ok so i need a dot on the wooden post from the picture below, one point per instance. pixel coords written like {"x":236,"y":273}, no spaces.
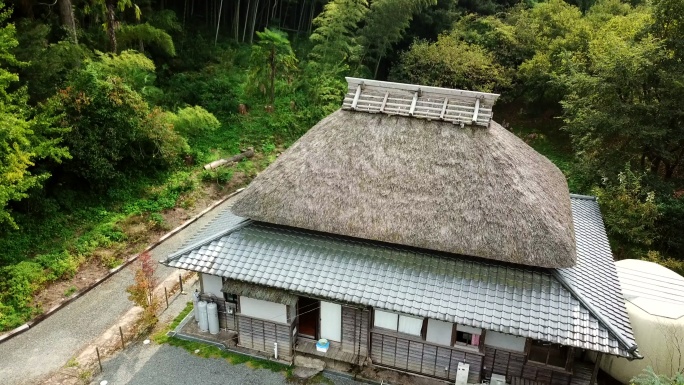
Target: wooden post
{"x":166,"y":295}
{"x":97,"y":350}
{"x":180,"y":279}
{"x":599,"y":356}
{"x":123,"y":345}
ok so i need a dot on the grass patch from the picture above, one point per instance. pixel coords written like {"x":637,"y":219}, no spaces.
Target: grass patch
{"x":321,"y":379}
{"x":161,"y":337}
{"x":210,"y":351}
{"x":71,"y":290}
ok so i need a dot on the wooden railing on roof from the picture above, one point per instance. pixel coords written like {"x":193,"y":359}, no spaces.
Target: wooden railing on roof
{"x":434,"y":103}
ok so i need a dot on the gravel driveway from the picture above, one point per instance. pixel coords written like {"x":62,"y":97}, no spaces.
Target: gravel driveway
{"x":49,"y":345}
{"x":165,"y":365}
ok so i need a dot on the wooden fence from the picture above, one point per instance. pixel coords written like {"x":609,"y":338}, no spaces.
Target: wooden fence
{"x":513,"y":364}
{"x":260,"y":335}
{"x":412,"y":354}
{"x":355,"y":330}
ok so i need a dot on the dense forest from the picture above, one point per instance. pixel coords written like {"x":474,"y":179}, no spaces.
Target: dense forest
{"x":109,"y":108}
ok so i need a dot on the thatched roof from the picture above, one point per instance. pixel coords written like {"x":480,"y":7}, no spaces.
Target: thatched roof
{"x":477,"y":191}
{"x":261,"y":292}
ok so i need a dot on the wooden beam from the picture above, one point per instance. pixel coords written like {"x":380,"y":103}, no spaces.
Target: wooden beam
{"x":594,"y":374}
{"x":477,"y":110}
{"x":444,"y":107}
{"x":413,"y":103}
{"x":384,"y":102}
{"x":356,"y":97}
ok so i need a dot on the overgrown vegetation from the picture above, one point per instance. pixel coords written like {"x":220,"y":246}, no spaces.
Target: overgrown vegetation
{"x":649,"y":377}
{"x":104,"y":130}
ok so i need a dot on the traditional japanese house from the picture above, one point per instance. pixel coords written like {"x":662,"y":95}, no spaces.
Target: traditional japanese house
{"x":415,"y":233}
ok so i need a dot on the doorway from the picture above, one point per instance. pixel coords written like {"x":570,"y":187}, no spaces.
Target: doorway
{"x":308,"y":312}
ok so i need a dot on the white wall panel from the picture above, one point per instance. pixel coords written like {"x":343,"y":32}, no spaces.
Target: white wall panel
{"x":505,"y":341}
{"x":439,"y":332}
{"x":410,"y":325}
{"x":212,"y":284}
{"x":385,"y":320}
{"x":265,"y":310}
{"x":331,"y":321}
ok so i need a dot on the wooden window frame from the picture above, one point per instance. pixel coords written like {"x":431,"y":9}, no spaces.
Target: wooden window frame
{"x":569,"y":359}
{"x":454,"y":333}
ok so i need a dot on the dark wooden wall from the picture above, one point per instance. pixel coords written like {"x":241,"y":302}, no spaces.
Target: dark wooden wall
{"x":261,"y":335}
{"x":355,"y":323}
{"x":415,"y":355}
{"x":512,"y":364}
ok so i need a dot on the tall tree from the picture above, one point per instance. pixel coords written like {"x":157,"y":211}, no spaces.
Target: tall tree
{"x":385,"y":25}
{"x":66,"y":15}
{"x":23,"y":140}
{"x":335,"y":37}
{"x":626,"y":106}
{"x":272,"y":52}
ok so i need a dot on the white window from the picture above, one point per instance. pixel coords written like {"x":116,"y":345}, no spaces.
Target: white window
{"x":505,"y":341}
{"x":410,"y":325}
{"x":386,"y":320}
{"x":439,"y":332}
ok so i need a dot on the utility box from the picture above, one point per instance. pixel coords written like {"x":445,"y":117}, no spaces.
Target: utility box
{"x":462,"y":372}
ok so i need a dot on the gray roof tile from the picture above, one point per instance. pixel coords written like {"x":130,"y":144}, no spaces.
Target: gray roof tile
{"x":515,"y":299}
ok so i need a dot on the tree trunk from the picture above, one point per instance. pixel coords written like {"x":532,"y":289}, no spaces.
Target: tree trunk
{"x":273,"y":70}
{"x":244,"y":30}
{"x":377,"y":67}
{"x":237,"y":22}
{"x":66,"y":16}
{"x":218,"y":22}
{"x":254,"y":18}
{"x":111,"y":6}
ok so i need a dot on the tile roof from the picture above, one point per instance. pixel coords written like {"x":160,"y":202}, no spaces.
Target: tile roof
{"x":514,"y":299}
{"x":595,"y":275}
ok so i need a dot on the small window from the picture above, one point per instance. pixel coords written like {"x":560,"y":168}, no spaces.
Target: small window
{"x":548,"y":353}
{"x":230,"y":297}
{"x":467,"y":336}
{"x":464,"y":338}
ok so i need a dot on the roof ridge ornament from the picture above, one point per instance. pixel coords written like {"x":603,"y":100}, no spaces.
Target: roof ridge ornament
{"x":433,"y":103}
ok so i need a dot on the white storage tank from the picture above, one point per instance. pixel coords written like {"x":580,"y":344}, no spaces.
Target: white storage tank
{"x":655,"y":304}
{"x":212,"y":315}
{"x":203,"y":318}
{"x":195,"y":300}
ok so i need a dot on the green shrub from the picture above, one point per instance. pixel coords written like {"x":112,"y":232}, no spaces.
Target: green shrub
{"x":113,"y":130}
{"x":59,"y":265}
{"x":220,"y":175}
{"x":192,"y":121}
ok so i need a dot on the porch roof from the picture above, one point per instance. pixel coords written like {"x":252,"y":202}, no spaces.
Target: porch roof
{"x":580,"y":306}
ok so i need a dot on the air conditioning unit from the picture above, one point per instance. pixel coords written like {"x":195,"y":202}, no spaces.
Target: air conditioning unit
{"x":497,"y":379}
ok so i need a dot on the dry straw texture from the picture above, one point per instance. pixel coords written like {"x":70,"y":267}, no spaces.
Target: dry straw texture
{"x":472,"y":191}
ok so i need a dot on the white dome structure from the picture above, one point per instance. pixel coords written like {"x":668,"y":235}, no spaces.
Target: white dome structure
{"x":654,"y":297}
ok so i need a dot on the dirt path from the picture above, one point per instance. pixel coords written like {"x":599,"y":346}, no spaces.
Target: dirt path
{"x":49,"y":345}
